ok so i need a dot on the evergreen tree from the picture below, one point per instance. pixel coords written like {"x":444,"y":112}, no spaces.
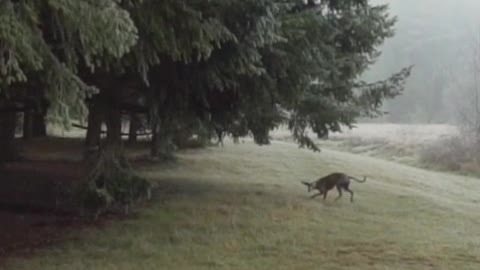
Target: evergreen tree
{"x":42,"y":42}
{"x":250,"y":62}
{"x":265,"y":63}
{"x":237,"y":66}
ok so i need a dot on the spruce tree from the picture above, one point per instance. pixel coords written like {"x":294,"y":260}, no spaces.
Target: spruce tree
{"x":262,"y":64}
{"x":236,"y":66}
{"x":42,"y":42}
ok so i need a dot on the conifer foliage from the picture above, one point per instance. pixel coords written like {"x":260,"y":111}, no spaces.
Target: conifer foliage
{"x":238,"y":67}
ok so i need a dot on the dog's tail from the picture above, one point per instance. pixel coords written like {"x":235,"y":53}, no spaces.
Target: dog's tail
{"x":358,"y":180}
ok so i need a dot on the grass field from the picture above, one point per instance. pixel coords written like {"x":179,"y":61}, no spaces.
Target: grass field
{"x":403,"y":143}
{"x":243,"y":207}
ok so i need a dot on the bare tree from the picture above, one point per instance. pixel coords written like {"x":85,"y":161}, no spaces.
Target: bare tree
{"x":468,"y":104}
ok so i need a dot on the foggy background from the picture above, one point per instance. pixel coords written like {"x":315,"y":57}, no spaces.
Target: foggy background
{"x":441,"y":39}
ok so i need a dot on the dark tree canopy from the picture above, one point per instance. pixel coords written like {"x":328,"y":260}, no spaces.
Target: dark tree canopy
{"x":250,"y":61}
{"x":46,"y":39}
{"x":242,"y":67}
{"x":264,"y":63}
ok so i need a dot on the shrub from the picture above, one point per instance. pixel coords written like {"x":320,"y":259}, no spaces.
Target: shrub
{"x":112,"y":185}
{"x":450,"y":153}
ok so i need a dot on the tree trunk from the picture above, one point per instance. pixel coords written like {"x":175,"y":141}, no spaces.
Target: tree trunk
{"x":36,"y":125}
{"x":161,"y":146}
{"x":111,"y":168}
{"x":39,"y":125}
{"x":154,"y":145}
{"x":113,"y":156}
{"x":110,"y":159}
{"x":8,"y":122}
{"x":94,"y":126}
{"x":134,"y":127}
{"x":113,"y":120}
{"x":27,"y":125}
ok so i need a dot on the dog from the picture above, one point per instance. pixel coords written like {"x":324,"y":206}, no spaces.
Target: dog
{"x":339,"y":180}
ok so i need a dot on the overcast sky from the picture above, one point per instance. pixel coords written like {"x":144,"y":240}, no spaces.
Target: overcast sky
{"x":446,"y":26}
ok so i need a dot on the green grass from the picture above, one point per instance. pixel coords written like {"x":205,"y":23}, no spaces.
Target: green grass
{"x":242,"y":207}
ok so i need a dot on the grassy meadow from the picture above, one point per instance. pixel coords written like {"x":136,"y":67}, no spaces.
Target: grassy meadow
{"x":243,"y":207}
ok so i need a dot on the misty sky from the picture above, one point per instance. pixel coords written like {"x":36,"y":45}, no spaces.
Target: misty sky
{"x":437,"y":37}
{"x":430,"y":34}
{"x":430,"y":11}
{"x":446,"y":25}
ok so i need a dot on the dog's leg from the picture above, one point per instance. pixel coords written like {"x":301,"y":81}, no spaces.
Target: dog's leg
{"x":315,"y":195}
{"x":325,"y":195}
{"x":349,"y":191}
{"x":339,"y":193}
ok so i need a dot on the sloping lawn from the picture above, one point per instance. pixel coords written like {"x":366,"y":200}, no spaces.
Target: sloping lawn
{"x":243,"y":207}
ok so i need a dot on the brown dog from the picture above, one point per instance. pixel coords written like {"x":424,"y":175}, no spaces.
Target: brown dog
{"x":326,"y":183}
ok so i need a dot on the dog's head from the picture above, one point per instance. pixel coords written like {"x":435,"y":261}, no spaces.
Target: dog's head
{"x":309,"y":185}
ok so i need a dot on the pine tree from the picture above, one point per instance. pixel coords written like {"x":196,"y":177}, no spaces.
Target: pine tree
{"x":236,"y":66}
{"x":275,"y":62}
{"x":43,"y":41}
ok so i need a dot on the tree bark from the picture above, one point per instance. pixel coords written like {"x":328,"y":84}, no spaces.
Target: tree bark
{"x":27,"y":125}
{"x":134,"y":127}
{"x":113,"y":120}
{"x":111,"y":166}
{"x":94,"y":126}
{"x":161,"y":145}
{"x":154,"y":145}
{"x":110,"y":158}
{"x":36,"y":118}
{"x":39,"y":125}
{"x":8,"y":122}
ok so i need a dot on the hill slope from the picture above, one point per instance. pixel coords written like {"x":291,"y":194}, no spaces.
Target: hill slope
{"x":242,"y":207}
